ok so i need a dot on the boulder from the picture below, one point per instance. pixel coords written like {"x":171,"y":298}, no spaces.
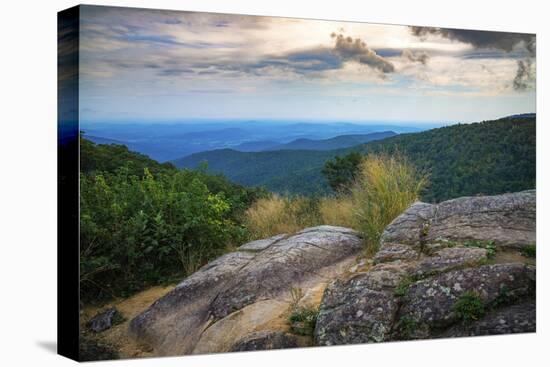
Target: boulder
{"x":352,"y":313}
{"x":429,"y":303}
{"x":104,"y":320}
{"x":507,"y":219}
{"x":362,"y":308}
{"x":266,"y":340}
{"x":435,"y":276}
{"x":411,"y":226}
{"x":518,"y":318}
{"x":244,"y":291}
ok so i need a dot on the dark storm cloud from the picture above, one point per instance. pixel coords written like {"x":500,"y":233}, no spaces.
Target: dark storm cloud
{"x":503,"y":41}
{"x":482,"y":39}
{"x":350,"y":49}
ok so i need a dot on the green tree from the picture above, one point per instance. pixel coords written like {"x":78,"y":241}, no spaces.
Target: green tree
{"x":341,"y":171}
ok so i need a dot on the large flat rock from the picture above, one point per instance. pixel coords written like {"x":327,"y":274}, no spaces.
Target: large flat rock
{"x":236,"y":294}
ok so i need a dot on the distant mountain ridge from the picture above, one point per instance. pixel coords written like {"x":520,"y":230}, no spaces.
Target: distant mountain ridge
{"x":166,"y":142}
{"x":338,"y":142}
{"x":256,"y":146}
{"x":488,"y":157}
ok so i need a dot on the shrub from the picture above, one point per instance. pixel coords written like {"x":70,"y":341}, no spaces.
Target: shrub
{"x":489,"y":246}
{"x":385,"y":187}
{"x":141,"y":230}
{"x":403,"y":287}
{"x":529,"y":251}
{"x":302,"y":320}
{"x":275,"y":215}
{"x":407,"y":327}
{"x":469,"y":307}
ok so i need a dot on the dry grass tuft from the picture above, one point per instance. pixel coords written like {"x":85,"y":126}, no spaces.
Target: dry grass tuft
{"x":275,"y":215}
{"x":387,"y":185}
{"x":338,"y":211}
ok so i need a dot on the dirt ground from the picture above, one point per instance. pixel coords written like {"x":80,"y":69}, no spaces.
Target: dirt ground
{"x":117,"y":336}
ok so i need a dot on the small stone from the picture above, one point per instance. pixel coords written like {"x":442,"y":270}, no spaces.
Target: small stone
{"x":103,"y":320}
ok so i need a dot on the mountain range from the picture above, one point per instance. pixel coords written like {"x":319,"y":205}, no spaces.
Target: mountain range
{"x":463,"y":159}
{"x":165,"y":142}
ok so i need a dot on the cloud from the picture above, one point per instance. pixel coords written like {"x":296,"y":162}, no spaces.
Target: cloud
{"x":481,"y":39}
{"x":421,"y":56}
{"x":317,"y":59}
{"x":175,"y":72}
{"x":504,"y":41}
{"x":349,"y":49}
{"x":525,"y":77}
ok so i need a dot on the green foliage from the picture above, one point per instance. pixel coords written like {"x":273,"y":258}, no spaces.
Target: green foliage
{"x":490,"y":157}
{"x":469,"y":307}
{"x":403,"y":287}
{"x":111,"y":157}
{"x":386,"y":186}
{"x":505,"y":297}
{"x":139,"y":230}
{"x":118,"y":318}
{"x":295,"y":172}
{"x":489,"y":246}
{"x":406,"y":327}
{"x":529,"y":251}
{"x":340,"y":172}
{"x":302,"y":320}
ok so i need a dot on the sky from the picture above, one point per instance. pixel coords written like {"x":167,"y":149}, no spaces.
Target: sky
{"x":152,"y":65}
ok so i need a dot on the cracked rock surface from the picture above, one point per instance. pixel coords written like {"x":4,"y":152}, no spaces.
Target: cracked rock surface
{"x":507,"y":219}
{"x":432,"y":259}
{"x":241,"y":292}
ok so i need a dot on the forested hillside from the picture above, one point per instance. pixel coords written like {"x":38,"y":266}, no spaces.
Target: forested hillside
{"x":489,"y":157}
{"x":283,"y":171}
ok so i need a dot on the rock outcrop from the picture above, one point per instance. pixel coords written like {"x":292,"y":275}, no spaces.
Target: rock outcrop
{"x":507,"y":220}
{"x":442,"y":270}
{"x":223,"y":305}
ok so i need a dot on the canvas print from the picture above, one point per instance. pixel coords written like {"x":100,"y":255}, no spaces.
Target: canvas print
{"x":240,"y":183}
